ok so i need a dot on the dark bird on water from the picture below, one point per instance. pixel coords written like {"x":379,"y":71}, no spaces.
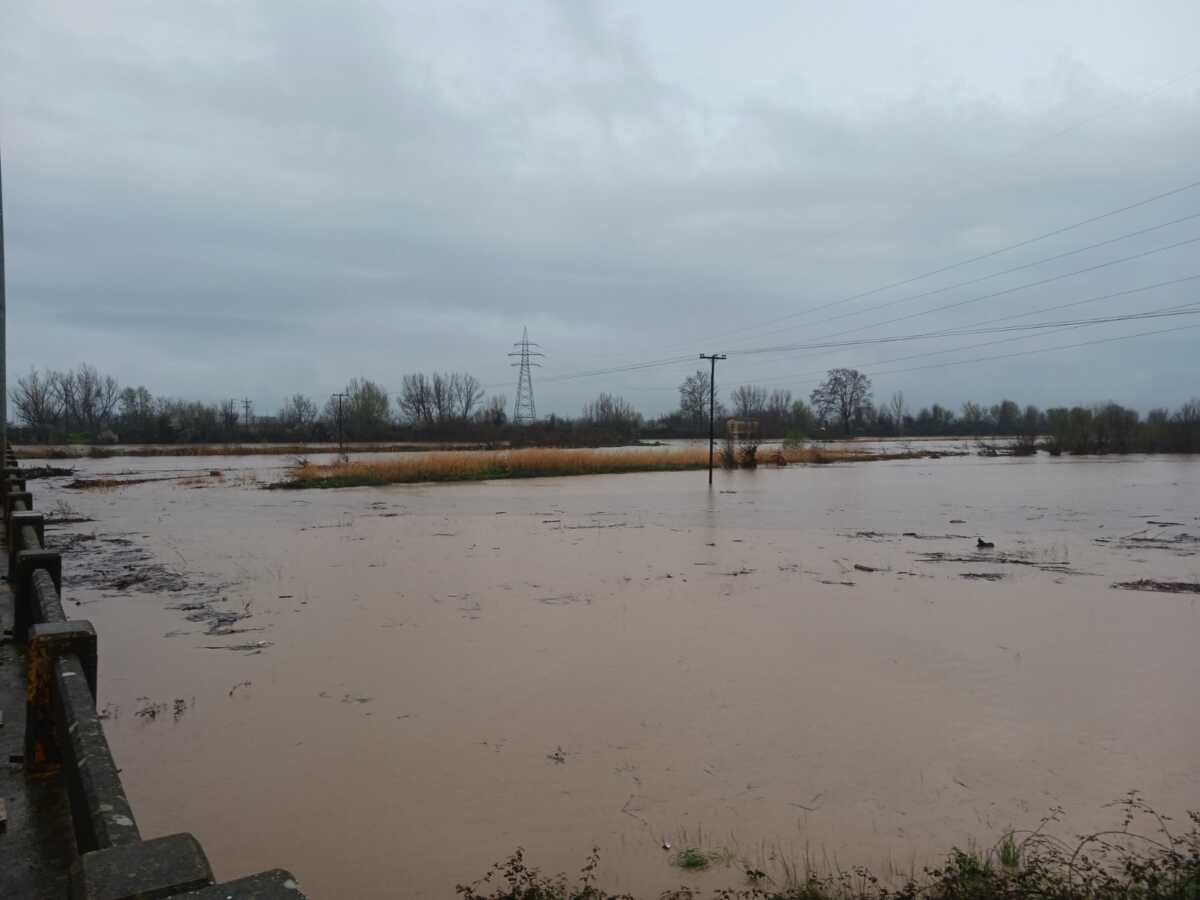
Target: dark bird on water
{"x":984,"y":545}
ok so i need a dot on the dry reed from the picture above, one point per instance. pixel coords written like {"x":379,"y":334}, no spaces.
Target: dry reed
{"x":544,"y":462}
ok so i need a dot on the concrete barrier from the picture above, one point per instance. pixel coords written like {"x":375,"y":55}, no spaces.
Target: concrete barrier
{"x":64,"y":737}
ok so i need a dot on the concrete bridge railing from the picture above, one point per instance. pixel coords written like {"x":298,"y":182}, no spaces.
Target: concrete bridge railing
{"x":64,"y":737}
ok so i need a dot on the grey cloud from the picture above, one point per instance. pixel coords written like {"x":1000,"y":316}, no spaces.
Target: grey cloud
{"x":267,"y":198}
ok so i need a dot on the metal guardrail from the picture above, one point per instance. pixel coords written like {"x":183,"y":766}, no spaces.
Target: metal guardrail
{"x":65,"y":736}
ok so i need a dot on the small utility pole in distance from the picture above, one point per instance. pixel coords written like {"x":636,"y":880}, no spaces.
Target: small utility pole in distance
{"x":339,"y":398}
{"x":246,"y":404}
{"x":712,"y":403}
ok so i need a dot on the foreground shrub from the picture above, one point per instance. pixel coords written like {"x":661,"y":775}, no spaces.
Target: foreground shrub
{"x":1118,"y":864}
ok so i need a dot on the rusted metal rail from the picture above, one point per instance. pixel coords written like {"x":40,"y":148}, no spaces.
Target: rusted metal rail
{"x":64,"y":737}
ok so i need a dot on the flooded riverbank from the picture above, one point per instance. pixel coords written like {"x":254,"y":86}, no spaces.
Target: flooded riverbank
{"x":388,"y":689}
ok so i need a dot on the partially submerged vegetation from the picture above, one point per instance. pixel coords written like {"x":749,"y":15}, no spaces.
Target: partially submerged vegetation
{"x":542,"y":462}
{"x":1116,"y":864}
{"x":1166,"y":587}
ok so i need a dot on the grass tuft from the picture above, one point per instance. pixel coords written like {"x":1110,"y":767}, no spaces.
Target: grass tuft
{"x":695,"y":858}
{"x":1009,"y":851}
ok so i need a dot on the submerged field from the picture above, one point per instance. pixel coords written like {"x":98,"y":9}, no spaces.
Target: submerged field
{"x":398,"y":685}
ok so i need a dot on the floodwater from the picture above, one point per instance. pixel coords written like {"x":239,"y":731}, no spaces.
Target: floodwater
{"x":386,"y":690}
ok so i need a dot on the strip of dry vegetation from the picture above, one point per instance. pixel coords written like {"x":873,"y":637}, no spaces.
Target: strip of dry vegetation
{"x":543,"y":462}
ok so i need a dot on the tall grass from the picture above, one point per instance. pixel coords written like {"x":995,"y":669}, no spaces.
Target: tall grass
{"x":542,"y":462}
{"x":1122,"y":863}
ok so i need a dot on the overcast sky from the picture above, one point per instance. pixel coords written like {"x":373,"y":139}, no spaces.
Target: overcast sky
{"x":252,"y":199}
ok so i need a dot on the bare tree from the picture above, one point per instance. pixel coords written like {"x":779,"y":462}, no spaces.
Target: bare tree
{"x":693,"y":397}
{"x":897,"y":409}
{"x":608,"y":410}
{"x":465,"y":392}
{"x":367,"y":409}
{"x":801,"y":416}
{"x":229,"y":415}
{"x":137,"y":404}
{"x":137,"y":412}
{"x":441,"y":398}
{"x":37,"y":402}
{"x":495,"y":411}
{"x":298,"y":412}
{"x":972,"y":417}
{"x":67,"y":398}
{"x":845,"y":393}
{"x":416,"y":399}
{"x":1006,"y":415}
{"x":96,"y":397}
{"x":749,"y":401}
{"x":86,"y":399}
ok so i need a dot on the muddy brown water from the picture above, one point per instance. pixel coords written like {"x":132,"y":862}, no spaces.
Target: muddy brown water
{"x":793,"y":663}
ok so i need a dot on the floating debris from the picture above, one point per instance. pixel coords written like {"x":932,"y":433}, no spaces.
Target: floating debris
{"x":565,"y":600}
{"x":251,"y":648}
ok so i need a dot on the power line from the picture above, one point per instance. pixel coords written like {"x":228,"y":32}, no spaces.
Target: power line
{"x":959,"y":329}
{"x":964,"y":262}
{"x":988,"y":329}
{"x":676,"y":360}
{"x":997,"y":274}
{"x":1146,"y":93}
{"x":1012,"y":290}
{"x":784,"y":349}
{"x":963,"y":362}
{"x":975,"y":328}
{"x":612,"y":370}
{"x":1125,"y":293}
{"x":1185,"y":309}
{"x":1149,"y":92}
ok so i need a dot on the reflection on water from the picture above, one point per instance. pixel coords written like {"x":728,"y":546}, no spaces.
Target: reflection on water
{"x":404,"y":684}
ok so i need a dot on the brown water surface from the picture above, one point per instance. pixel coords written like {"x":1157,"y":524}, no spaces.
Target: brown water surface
{"x":808,"y":660}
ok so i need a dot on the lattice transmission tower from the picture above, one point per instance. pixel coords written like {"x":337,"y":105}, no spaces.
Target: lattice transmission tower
{"x":525,"y":412}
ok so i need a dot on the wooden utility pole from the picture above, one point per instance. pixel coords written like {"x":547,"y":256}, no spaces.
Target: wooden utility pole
{"x":339,"y":398}
{"x":712,"y":403}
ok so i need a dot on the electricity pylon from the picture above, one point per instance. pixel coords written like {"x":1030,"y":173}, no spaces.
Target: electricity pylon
{"x":524,"y":412}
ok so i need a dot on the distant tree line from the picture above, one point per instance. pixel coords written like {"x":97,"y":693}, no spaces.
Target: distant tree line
{"x":84,"y":406}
